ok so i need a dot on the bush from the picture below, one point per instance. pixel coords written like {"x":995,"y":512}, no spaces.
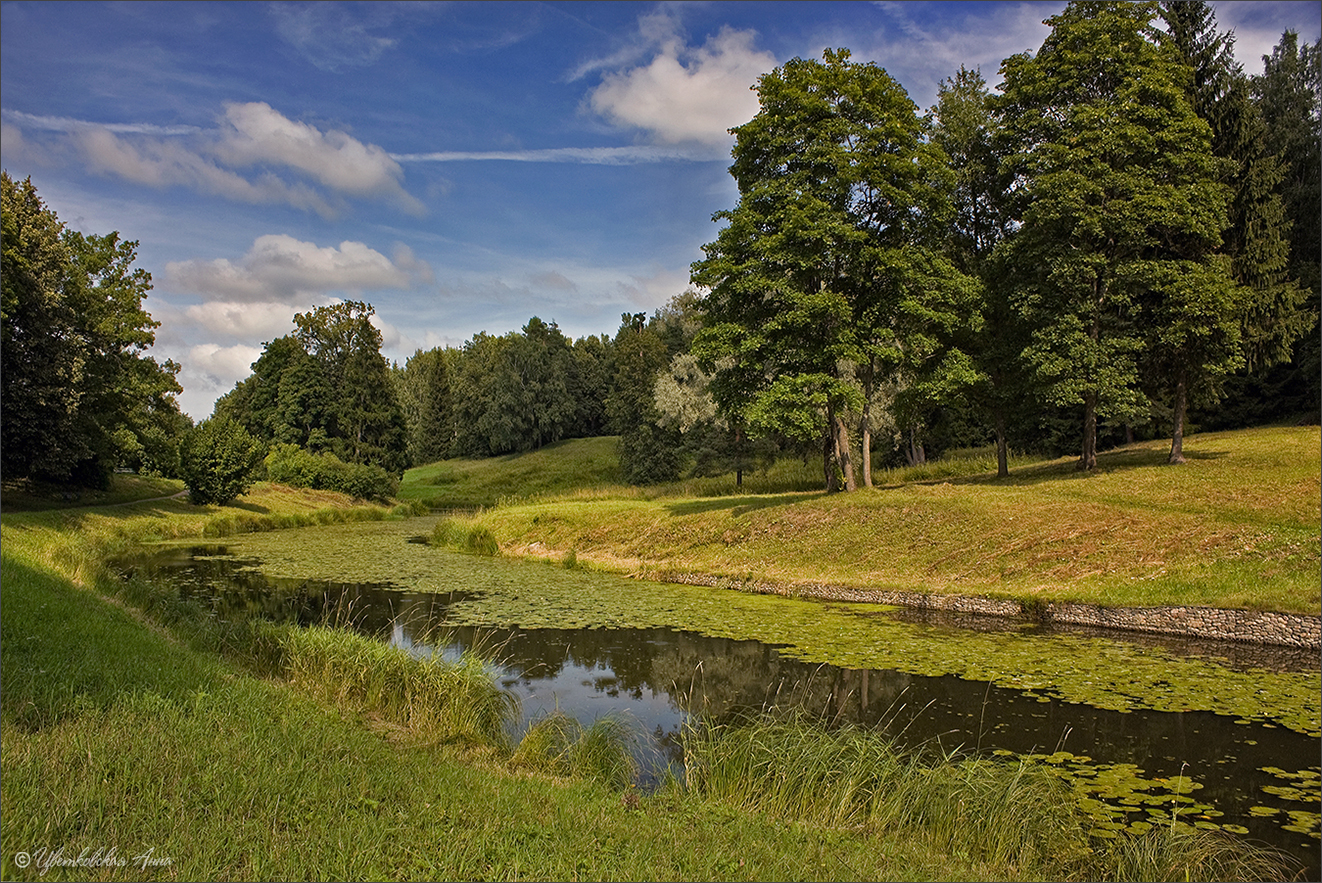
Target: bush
{"x":219,"y":461}
{"x":293,"y":466}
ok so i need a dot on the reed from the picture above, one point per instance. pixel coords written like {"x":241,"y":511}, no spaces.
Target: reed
{"x":1015,"y":816}
{"x":436,"y":699}
{"x":464,"y":535}
{"x":559,"y":745}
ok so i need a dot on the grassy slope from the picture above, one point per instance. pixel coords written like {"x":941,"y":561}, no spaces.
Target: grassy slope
{"x":118,"y":735}
{"x":1237,"y":526}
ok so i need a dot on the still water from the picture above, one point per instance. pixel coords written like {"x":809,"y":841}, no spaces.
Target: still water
{"x":1135,"y":721}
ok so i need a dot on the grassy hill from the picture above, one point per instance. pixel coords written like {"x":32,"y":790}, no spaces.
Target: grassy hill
{"x":1237,"y":526}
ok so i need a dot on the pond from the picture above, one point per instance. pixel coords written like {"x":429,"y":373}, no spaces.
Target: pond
{"x":1225,"y":735}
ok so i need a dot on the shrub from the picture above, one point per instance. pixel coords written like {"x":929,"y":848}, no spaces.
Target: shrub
{"x":293,"y":466}
{"x":219,"y":461}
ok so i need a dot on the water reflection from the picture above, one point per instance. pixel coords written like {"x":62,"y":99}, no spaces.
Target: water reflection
{"x":660,"y":676}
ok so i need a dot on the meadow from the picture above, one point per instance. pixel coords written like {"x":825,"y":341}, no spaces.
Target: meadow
{"x":1237,"y":526}
{"x":144,"y":738}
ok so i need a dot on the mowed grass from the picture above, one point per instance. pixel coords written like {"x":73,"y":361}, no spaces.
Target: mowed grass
{"x":1236,"y":527}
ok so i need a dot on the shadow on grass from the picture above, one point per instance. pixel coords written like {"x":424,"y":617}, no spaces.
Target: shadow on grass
{"x":740,"y":505}
{"x":1119,"y":460}
{"x":66,"y":650}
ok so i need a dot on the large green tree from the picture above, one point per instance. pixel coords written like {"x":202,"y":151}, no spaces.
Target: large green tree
{"x":1120,"y":207}
{"x":649,"y":451}
{"x":1257,"y":234}
{"x":425,"y":395}
{"x":965,"y":129}
{"x":80,"y":394}
{"x":369,"y":424}
{"x":1289,"y":94}
{"x":824,"y":272}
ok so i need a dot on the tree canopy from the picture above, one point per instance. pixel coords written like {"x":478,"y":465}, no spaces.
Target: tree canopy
{"x":81,"y":396}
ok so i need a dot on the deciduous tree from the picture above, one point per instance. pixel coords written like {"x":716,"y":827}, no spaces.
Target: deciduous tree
{"x":1116,"y":179}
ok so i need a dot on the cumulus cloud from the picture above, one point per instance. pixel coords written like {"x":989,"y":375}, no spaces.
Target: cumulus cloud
{"x":255,"y":134}
{"x":245,"y":321}
{"x":685,"y":94}
{"x":281,"y":269}
{"x":254,"y":154}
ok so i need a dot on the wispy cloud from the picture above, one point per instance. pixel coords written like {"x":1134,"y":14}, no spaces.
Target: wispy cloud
{"x":920,"y":45}
{"x":69,"y":124}
{"x":605,"y":156}
{"x":328,"y":36}
{"x":326,"y":166}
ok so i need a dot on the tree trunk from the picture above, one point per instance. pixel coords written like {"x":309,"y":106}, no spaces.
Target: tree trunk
{"x":914,"y":454}
{"x":739,"y":456}
{"x":843,"y":455}
{"x":840,"y":442}
{"x":865,"y":434}
{"x":865,"y":423}
{"x":1177,"y":436}
{"x":1002,"y":452}
{"x":1088,"y":459}
{"x":828,"y":452}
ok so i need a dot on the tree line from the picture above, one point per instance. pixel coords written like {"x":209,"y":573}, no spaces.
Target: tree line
{"x":1122,"y":240}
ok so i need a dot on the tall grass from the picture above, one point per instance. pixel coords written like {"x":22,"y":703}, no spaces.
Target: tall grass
{"x":464,"y":536}
{"x":441,"y":700}
{"x":1011,"y":815}
{"x":1002,"y":813}
{"x":559,"y":745}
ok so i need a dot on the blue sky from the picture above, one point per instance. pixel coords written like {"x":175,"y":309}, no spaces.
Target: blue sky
{"x":460,"y":166}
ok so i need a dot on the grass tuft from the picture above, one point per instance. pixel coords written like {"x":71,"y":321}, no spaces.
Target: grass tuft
{"x":559,"y":745}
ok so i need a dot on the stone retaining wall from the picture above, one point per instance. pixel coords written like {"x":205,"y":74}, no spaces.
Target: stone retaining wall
{"x":1253,"y":626}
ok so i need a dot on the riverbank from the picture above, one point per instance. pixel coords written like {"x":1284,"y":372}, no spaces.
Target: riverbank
{"x":145,"y":740}
{"x":1225,"y":546}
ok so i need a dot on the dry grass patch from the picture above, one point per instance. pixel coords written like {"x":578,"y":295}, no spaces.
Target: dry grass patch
{"x":1237,"y":526}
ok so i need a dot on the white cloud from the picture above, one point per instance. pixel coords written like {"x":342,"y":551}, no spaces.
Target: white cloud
{"x":245,"y":321}
{"x":554,"y":280}
{"x":655,"y":289}
{"x":213,"y":360}
{"x":601,"y":156}
{"x":160,"y":163}
{"x":686,"y":94}
{"x":1258,"y":27}
{"x":326,"y":166}
{"x":921,"y":55}
{"x":281,"y":269}
{"x":255,"y":134}
{"x":210,"y":370}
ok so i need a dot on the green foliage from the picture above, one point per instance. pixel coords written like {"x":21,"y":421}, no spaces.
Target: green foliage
{"x":649,"y":452}
{"x":1118,"y":177}
{"x":558,"y":744}
{"x":326,"y":389}
{"x":80,"y":394}
{"x":291,"y":465}
{"x":828,"y":264}
{"x":220,"y":461}
{"x":476,"y":539}
{"x":425,"y":396}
